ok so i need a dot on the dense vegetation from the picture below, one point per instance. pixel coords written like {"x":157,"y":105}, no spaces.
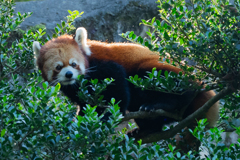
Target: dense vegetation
{"x":37,"y":122}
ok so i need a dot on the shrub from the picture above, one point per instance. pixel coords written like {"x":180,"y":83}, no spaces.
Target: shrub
{"x":36,"y":122}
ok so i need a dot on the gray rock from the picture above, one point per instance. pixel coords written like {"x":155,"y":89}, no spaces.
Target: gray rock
{"x":104,"y":19}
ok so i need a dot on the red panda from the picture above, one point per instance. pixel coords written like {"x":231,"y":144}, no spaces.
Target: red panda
{"x":62,"y":59}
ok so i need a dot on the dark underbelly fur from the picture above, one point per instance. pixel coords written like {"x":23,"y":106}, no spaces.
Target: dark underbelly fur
{"x":131,"y":98}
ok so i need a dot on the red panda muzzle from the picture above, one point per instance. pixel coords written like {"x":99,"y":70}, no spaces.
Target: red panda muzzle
{"x":69,"y":74}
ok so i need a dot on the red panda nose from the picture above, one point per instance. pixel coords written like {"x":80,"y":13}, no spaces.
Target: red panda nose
{"x":69,"y":74}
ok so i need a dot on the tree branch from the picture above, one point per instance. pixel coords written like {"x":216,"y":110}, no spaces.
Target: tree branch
{"x":209,"y":71}
{"x":154,"y":114}
{"x":19,"y":144}
{"x":159,"y":112}
{"x":187,"y":121}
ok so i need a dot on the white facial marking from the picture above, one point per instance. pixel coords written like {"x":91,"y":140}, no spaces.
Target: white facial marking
{"x":58,"y":63}
{"x":67,"y":81}
{"x":72,"y":60}
{"x":82,"y":67}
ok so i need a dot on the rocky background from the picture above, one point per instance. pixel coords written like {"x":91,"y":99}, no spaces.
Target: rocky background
{"x":103,"y":19}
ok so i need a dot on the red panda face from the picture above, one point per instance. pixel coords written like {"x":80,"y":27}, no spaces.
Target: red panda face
{"x":61,"y":60}
{"x":63,"y":64}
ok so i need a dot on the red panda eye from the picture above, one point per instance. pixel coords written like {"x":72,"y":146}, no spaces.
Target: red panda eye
{"x":58,"y":67}
{"x":74,"y":64}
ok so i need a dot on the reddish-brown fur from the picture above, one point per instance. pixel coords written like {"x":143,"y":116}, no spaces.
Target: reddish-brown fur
{"x":134,"y":57}
{"x":131,"y":56}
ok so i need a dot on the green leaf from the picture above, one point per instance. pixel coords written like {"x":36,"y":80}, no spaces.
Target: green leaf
{"x":4,"y":98}
{"x":3,"y":132}
{"x":112,"y":101}
{"x":134,"y":36}
{"x":181,"y":41}
{"x":57,"y":138}
{"x":32,"y":89}
{"x":56,"y":30}
{"x":144,"y":21}
{"x":63,"y":24}
{"x":153,"y":20}
{"x":58,"y":26}
{"x":45,"y":85}
{"x":14,"y":76}
{"x":81,"y":13}
{"x":210,"y":34}
{"x":166,"y":36}
{"x":181,"y":8}
{"x":69,"y":11}
{"x":57,"y":87}
{"x":149,"y":34}
{"x":170,"y":147}
{"x":54,"y":35}
{"x":135,"y":78}
{"x":166,"y":74}
{"x":158,"y":22}
{"x":140,"y":142}
{"x":95,"y":81}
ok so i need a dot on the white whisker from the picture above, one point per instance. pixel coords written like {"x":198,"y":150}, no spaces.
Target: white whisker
{"x":90,"y":69}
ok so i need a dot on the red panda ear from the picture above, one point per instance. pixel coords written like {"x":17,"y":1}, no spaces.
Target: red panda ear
{"x":81,"y":39}
{"x":36,"y":50}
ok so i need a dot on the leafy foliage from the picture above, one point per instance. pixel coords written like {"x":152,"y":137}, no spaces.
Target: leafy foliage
{"x":203,"y":31}
{"x":66,"y":27}
{"x":90,"y":91}
{"x":169,"y":82}
{"x":36,"y":122}
{"x":205,"y":36}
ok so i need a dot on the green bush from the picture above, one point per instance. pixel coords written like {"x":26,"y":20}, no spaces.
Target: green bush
{"x":36,"y":122}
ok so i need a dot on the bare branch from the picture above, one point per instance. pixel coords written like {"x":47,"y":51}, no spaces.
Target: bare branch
{"x":154,"y":114}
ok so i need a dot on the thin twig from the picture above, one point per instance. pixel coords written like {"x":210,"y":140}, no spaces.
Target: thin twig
{"x":15,"y":70}
{"x":209,"y":71}
{"x":20,"y":143}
